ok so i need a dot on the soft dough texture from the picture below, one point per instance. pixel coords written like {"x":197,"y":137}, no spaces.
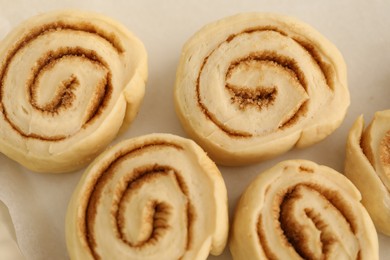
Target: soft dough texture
{"x":69,"y":81}
{"x":9,"y":248}
{"x":252,"y":86}
{"x":153,"y":197}
{"x":367,"y":165}
{"x":301,"y":210}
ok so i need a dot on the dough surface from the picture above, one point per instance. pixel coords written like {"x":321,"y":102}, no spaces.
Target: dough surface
{"x":152,"y":197}
{"x":69,"y":82}
{"x":300,"y":210}
{"x":367,"y":165}
{"x":254,"y":85}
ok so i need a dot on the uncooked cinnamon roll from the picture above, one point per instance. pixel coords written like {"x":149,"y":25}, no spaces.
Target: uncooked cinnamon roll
{"x":301,"y":210}
{"x":153,"y":197}
{"x":367,"y":165}
{"x":252,"y":86}
{"x":9,"y":248}
{"x":69,"y":81}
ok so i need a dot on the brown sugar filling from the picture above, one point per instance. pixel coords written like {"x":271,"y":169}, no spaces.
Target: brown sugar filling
{"x":326,"y":69}
{"x":258,"y":98}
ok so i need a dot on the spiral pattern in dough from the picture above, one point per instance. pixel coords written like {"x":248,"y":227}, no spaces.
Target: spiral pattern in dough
{"x":300,"y":210}
{"x":367,"y":165}
{"x":153,"y":197}
{"x":68,"y":82}
{"x":252,"y":86}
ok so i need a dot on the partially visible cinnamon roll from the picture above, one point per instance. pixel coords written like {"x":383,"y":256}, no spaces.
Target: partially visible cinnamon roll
{"x":301,"y":210}
{"x":367,"y":165}
{"x":252,"y":86}
{"x":153,"y":197}
{"x":69,"y":81}
{"x":9,"y":248}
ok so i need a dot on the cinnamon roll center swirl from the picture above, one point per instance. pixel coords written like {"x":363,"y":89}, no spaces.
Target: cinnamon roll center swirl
{"x":256,"y":73}
{"x":51,"y":81}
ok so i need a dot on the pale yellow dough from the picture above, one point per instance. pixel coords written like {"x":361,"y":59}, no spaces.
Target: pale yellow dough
{"x":254,"y":85}
{"x":152,"y":197}
{"x":9,"y":248}
{"x":367,"y":165}
{"x":69,"y":82}
{"x":300,"y":210}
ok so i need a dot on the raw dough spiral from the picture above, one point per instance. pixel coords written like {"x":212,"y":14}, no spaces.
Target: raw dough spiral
{"x":300,"y":210}
{"x":367,"y":165}
{"x":153,"y":197}
{"x":252,"y":86}
{"x":69,"y":81}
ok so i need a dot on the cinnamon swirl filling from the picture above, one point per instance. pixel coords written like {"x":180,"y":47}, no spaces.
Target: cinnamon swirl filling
{"x":64,"y":77}
{"x":300,"y":210}
{"x":148,"y":197}
{"x":52,"y":63}
{"x":254,"y":85}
